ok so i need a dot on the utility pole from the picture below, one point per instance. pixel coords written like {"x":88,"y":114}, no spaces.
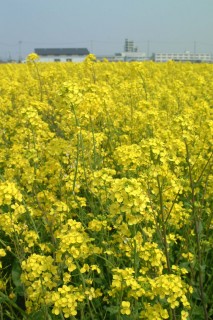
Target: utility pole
{"x":9,"y":57}
{"x":195,"y":45}
{"x":19,"y":51}
{"x":91,"y":46}
{"x":148,"y":44}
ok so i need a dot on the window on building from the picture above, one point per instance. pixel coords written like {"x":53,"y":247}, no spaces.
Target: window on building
{"x":57,"y":60}
{"x":69,"y":60}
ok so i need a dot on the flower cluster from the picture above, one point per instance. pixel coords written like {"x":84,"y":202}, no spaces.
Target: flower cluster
{"x":106,"y":190}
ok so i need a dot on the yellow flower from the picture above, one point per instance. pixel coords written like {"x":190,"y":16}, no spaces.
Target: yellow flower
{"x":184,"y":315}
{"x":85,"y":268}
{"x":125,"y":307}
{"x":32,"y":57}
{"x":2,"y":253}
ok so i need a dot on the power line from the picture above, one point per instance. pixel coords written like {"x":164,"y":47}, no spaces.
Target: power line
{"x":105,"y":41}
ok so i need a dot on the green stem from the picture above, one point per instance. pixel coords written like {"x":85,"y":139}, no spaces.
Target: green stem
{"x":172,"y":311}
{"x":196,"y":224}
{"x":84,"y":286}
{"x":14,"y":305}
{"x":163,"y":225}
{"x":39,"y":81}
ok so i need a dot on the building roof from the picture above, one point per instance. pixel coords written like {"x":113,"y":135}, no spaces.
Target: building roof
{"x":61,"y":51}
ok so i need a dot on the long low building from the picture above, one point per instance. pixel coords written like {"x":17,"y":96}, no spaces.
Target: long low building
{"x":62,"y":54}
{"x":183,"y":57}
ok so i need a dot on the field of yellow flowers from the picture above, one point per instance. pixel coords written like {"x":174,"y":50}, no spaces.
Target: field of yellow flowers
{"x":106,"y":191}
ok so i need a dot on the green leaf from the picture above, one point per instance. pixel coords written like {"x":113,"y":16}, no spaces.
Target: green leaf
{"x":38,"y":315}
{"x":16,"y":277}
{"x":2,"y":299}
{"x":200,"y":227}
{"x":113,"y":309}
{"x":16,"y":273}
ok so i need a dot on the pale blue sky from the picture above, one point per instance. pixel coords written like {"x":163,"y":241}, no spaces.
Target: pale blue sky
{"x":103,"y":25}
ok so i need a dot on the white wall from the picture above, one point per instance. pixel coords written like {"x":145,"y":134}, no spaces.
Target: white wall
{"x":162,"y":57}
{"x":62,"y":58}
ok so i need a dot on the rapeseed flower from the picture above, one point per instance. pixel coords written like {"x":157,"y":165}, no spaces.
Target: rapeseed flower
{"x":105,"y":187}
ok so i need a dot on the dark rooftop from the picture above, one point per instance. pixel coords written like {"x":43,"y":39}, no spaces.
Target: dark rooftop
{"x":61,"y":51}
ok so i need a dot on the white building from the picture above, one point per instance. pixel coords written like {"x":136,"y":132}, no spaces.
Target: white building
{"x":134,"y":56}
{"x":184,"y":57}
{"x":109,"y":57}
{"x":61,"y":54}
{"x":124,"y":56}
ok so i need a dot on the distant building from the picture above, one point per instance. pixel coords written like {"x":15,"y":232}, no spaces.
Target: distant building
{"x":131,"y":52}
{"x":110,"y":57}
{"x":133,"y":56}
{"x":129,"y":46}
{"x":62,"y":54}
{"x":124,"y":56}
{"x":183,"y":57}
